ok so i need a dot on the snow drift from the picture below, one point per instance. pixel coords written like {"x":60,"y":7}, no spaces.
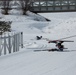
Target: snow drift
{"x":35,"y":16}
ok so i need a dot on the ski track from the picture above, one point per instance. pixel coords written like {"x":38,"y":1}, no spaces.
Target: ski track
{"x":39,"y":46}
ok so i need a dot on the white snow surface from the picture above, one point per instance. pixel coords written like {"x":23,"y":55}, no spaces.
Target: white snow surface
{"x":28,"y":62}
{"x":1,"y":15}
{"x":35,"y":16}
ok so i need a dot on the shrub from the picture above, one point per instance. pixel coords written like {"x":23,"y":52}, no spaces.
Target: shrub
{"x":5,"y":26}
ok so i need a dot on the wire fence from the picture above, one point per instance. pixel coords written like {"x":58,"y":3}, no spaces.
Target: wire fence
{"x":10,"y":43}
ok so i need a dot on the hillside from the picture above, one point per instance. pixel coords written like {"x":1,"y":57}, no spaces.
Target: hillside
{"x":28,"y":62}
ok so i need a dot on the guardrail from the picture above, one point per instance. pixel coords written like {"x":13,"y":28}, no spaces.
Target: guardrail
{"x":10,"y":43}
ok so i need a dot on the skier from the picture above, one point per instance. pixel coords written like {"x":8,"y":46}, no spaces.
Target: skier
{"x":60,"y":46}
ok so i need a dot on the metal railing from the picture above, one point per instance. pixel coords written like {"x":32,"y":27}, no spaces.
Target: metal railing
{"x":10,"y":43}
{"x":44,"y":5}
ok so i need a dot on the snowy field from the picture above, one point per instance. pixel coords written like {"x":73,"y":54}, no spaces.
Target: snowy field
{"x":28,"y":62}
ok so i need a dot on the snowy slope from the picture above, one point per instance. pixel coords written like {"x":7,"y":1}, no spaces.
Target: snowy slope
{"x":27,"y":62}
{"x":38,"y":63}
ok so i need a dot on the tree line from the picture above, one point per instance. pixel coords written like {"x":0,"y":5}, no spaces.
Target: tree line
{"x":6,"y":5}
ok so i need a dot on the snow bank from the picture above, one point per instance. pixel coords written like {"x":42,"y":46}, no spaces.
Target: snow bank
{"x":15,"y":12}
{"x":35,"y":16}
{"x":66,"y":27}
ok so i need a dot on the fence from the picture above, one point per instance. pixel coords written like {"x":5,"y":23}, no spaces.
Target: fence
{"x":10,"y":43}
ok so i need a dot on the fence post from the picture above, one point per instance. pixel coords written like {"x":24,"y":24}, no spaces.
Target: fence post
{"x":18,"y":41}
{"x":9,"y":43}
{"x":14,"y":43}
{"x":0,"y":46}
{"x":21,"y":39}
{"x":5,"y":44}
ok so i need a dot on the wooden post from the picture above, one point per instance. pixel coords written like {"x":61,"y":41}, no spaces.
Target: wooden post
{"x":18,"y":38}
{"x":0,"y":45}
{"x":5,"y":45}
{"x":9,"y":43}
{"x":21,"y":39}
{"x":16,"y":41}
{"x":14,"y":49}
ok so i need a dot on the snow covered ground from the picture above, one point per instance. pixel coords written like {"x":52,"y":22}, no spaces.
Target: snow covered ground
{"x":28,"y":62}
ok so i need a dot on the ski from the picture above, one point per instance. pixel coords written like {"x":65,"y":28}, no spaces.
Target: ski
{"x":49,"y":50}
{"x":61,"y":41}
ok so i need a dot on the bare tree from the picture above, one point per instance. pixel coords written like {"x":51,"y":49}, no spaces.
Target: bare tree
{"x":25,"y":4}
{"x":6,"y":6}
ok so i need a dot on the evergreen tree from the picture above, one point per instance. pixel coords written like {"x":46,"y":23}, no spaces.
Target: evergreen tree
{"x":5,"y":26}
